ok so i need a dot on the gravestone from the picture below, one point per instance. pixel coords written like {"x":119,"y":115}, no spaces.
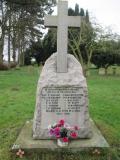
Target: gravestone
{"x":101,"y":71}
{"x":61,"y":96}
{"x":62,"y":89}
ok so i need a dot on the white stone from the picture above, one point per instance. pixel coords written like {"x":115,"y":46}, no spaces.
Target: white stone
{"x":66,"y":91}
{"x":61,"y":144}
{"x":62,"y":21}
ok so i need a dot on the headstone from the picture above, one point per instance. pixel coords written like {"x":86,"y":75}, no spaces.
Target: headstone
{"x":61,"y":96}
{"x":101,"y":71}
{"x":62,"y":21}
{"x":118,"y":70}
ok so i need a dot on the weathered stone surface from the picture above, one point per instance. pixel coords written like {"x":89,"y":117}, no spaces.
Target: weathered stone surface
{"x":25,"y":141}
{"x":61,"y":96}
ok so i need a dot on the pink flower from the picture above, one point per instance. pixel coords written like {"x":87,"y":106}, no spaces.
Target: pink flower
{"x":65,"y":139}
{"x":74,"y":135}
{"x":51,"y":132}
{"x":61,"y":122}
{"x":58,"y":136}
{"x":57,"y":132}
{"x":20,"y":153}
{"x":57,"y":129}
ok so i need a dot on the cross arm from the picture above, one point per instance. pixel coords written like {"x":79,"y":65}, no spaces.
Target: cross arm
{"x":74,"y":21}
{"x":51,"y":21}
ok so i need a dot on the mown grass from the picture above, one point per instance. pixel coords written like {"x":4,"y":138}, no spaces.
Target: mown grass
{"x":104,"y":95}
{"x":17,"y":101}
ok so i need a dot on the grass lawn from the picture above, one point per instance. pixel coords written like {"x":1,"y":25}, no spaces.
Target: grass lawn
{"x":17,"y":102}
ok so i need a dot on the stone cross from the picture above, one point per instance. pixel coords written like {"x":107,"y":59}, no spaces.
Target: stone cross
{"x":62,"y":21}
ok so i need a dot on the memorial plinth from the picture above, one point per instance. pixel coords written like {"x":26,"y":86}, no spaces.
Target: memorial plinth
{"x":26,"y":142}
{"x":61,"y":96}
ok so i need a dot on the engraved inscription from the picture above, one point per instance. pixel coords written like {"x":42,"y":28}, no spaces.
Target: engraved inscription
{"x":63,"y":99}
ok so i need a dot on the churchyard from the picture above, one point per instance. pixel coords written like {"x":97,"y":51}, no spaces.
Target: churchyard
{"x":68,"y":108}
{"x":17,"y":104}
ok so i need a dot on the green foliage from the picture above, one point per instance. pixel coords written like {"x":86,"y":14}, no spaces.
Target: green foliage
{"x":107,"y":49}
{"x":117,"y":59}
{"x":43,"y":48}
{"x":102,"y":60}
{"x":76,"y":13}
{"x":36,"y":50}
{"x":27,"y":57}
{"x":82,"y":13}
{"x":82,"y":41}
{"x":71,"y":12}
{"x":87,"y":16}
{"x":63,"y":132}
{"x":22,"y":21}
{"x":50,"y":42}
{"x":93,"y":39}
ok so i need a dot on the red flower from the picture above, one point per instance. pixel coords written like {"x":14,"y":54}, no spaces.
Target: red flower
{"x":65,"y":139}
{"x":74,"y":135}
{"x":61,"y":122}
{"x":57,"y":132}
{"x":58,"y":125}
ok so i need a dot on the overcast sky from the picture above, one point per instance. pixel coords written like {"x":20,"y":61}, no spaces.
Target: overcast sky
{"x":107,"y":12}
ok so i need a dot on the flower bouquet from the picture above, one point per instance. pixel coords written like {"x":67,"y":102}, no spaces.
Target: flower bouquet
{"x":63,"y":132}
